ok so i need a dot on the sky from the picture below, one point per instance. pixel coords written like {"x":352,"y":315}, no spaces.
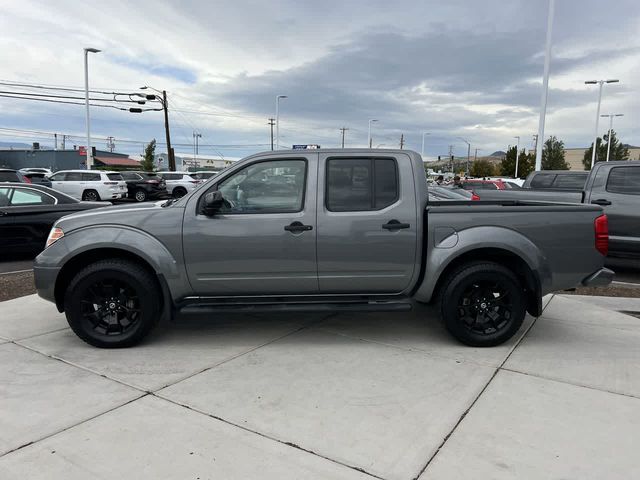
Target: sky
{"x":455,"y":69}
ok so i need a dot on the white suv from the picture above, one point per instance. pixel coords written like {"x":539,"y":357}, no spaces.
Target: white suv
{"x":90,"y":185}
{"x":179,"y":183}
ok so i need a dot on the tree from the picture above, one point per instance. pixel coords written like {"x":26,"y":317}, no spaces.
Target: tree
{"x":553,"y":155}
{"x":483,"y":168}
{"x":149,"y":154}
{"x":526,"y":163}
{"x":618,"y":150}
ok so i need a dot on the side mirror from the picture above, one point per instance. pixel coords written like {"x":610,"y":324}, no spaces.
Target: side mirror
{"x":213,"y":201}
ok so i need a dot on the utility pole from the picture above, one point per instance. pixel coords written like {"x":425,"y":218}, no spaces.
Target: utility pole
{"x":271,"y":123}
{"x":64,"y":141}
{"x":401,"y":141}
{"x":343,"y":130}
{"x":55,"y":139}
{"x":111,"y":144}
{"x":451,"y":158}
{"x":517,"y":153}
{"x":196,"y":136}
{"x":171,"y":157}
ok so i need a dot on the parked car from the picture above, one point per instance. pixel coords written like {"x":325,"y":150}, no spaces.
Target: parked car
{"x":477,"y":184}
{"x":615,"y":186}
{"x":90,"y":185}
{"x":329,"y":242}
{"x":10,"y":175}
{"x":556,"y":180}
{"x":37,"y":178}
{"x":439,"y":193}
{"x":205,"y":174}
{"x":27,"y":213}
{"x":179,"y":183}
{"x":143,"y":186}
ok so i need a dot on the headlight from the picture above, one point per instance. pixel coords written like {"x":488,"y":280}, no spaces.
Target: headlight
{"x":54,"y":235}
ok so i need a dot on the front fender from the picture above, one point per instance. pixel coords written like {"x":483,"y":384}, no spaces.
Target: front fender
{"x":119,"y":237}
{"x":458,"y":243}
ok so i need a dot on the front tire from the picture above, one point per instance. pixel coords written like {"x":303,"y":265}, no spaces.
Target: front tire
{"x":483,"y":304}
{"x":112,"y":303}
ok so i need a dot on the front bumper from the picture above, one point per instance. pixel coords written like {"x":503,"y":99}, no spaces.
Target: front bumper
{"x":45,"y":280}
{"x":601,"y":278}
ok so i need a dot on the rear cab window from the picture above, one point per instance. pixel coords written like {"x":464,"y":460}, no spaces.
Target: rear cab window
{"x":361,"y":184}
{"x":570,"y":181}
{"x":624,"y":180}
{"x":543,"y":180}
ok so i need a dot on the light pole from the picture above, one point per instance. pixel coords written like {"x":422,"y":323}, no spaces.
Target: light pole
{"x":611,"y":115}
{"x":86,"y":102}
{"x":278,"y":97}
{"x":196,"y":136}
{"x":370,"y":121}
{"x":595,"y":140}
{"x":545,"y":85}
{"x":422,"y":151}
{"x":517,"y":153}
{"x":468,"y":153}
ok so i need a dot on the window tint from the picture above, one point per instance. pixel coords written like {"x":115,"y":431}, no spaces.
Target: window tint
{"x":73,"y":176}
{"x":23,"y":196}
{"x":90,"y":177}
{"x":9,"y":177}
{"x":130,"y":176}
{"x":624,"y":180}
{"x":4,"y":196}
{"x":266,"y":187}
{"x":543,"y":180}
{"x":114,"y":177}
{"x":58,"y":177}
{"x":172,"y":176}
{"x":361,"y":184}
{"x":572,"y":181}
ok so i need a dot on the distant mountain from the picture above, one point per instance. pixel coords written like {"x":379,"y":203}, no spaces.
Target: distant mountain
{"x":499,"y":153}
{"x":7,"y":145}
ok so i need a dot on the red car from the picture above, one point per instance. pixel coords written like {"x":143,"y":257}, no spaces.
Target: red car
{"x":477,"y":184}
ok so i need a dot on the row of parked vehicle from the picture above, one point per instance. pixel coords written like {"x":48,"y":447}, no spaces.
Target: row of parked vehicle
{"x":97,"y":185}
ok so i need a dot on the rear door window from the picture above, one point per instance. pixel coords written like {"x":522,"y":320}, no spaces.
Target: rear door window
{"x":9,"y":177}
{"x":625,"y":180}
{"x":543,"y":180}
{"x":90,"y":177}
{"x":73,"y":177}
{"x":25,"y":197}
{"x":361,"y":184}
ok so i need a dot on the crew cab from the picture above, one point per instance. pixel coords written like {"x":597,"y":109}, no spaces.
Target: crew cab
{"x":325,"y":230}
{"x":615,"y":186}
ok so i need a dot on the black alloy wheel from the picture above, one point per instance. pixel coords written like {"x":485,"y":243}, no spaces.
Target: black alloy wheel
{"x":483,"y":304}
{"x":90,"y":196}
{"x":112,"y":303}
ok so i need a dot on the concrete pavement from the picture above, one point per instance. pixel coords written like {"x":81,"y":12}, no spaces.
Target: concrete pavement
{"x":356,"y":396}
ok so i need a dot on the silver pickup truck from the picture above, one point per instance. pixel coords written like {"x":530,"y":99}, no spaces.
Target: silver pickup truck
{"x":327,"y":230}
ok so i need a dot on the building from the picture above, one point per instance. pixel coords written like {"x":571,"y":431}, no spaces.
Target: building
{"x":574,"y":156}
{"x":63,"y":159}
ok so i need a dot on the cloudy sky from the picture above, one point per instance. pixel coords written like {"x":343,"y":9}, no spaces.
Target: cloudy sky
{"x":469,"y":69}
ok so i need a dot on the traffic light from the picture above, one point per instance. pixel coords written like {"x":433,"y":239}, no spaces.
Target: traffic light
{"x":438,"y":157}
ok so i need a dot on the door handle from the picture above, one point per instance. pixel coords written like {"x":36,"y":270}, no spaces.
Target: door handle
{"x":298,"y":227}
{"x":395,"y":225}
{"x":601,"y":201}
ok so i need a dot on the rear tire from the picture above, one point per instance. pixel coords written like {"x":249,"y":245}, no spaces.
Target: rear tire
{"x":179,"y":192}
{"x":112,"y":303}
{"x":483,"y":304}
{"x":90,"y":196}
{"x":140,"y":195}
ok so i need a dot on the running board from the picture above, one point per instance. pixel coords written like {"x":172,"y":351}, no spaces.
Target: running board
{"x":260,"y":307}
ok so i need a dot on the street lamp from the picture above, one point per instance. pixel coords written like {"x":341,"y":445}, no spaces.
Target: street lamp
{"x":370,"y":121}
{"x":468,"y":152}
{"x":165,"y":106}
{"x":422,"y":151}
{"x":611,"y":115}
{"x":517,"y":153}
{"x":278,"y":97}
{"x":600,"y":83}
{"x":86,"y":102}
{"x":545,"y":84}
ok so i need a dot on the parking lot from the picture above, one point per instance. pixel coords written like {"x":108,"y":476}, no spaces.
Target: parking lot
{"x":311,"y":396}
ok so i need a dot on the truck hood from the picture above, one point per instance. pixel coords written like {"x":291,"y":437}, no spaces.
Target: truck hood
{"x":134,"y":215}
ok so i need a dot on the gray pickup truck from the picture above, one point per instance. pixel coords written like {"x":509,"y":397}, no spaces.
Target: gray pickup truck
{"x":327,"y":230}
{"x":615,"y":186}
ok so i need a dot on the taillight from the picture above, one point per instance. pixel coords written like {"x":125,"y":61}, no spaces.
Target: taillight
{"x":27,"y":180}
{"x":601,"y":226}
{"x":475,"y":197}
